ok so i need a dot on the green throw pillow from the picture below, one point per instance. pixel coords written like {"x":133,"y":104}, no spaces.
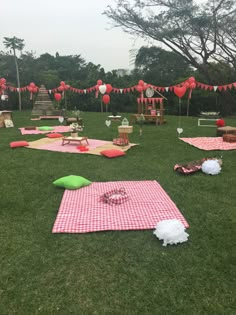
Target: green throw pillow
{"x":72,"y":182}
{"x":45,"y":128}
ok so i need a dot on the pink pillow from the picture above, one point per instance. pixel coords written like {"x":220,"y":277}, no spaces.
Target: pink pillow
{"x":17,"y":144}
{"x":54,"y":135}
{"x":111,"y":153}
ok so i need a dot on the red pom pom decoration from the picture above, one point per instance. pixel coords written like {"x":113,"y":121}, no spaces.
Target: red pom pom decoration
{"x":220,"y":123}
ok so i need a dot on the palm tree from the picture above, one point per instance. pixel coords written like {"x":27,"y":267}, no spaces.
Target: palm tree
{"x":15,"y":43}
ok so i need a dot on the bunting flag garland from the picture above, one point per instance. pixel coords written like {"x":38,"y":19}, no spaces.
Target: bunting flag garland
{"x":140,"y":88}
{"x":149,"y":100}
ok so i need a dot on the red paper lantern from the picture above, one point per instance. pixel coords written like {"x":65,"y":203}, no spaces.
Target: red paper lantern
{"x":57,"y":96}
{"x":106,"y":99}
{"x":220,"y":123}
{"x":179,"y":91}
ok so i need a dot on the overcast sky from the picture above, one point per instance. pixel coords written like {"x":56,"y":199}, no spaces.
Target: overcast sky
{"x":70,"y":27}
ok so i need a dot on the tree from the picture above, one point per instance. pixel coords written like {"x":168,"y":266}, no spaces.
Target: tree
{"x":159,"y":66}
{"x":15,"y":43}
{"x":198,"y":32}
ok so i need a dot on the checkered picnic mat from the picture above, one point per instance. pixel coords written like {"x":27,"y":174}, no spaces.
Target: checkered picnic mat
{"x":82,"y":210}
{"x":210,"y":143}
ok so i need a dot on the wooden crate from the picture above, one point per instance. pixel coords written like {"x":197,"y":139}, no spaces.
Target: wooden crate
{"x":229,"y":137}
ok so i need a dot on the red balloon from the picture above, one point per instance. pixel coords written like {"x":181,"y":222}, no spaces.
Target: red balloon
{"x":106,"y":99}
{"x":191,"y":79}
{"x":57,"y":96}
{"x":187,"y":84}
{"x":62,"y":83}
{"x":61,"y":88}
{"x":139,"y":88}
{"x":99,"y":82}
{"x":192,"y":85}
{"x":66,"y":87}
{"x":141,"y":82}
{"x":179,"y":91}
{"x":109,"y":88}
{"x":2,"y":81}
{"x":30,"y":89}
{"x":32,"y":84}
{"x":220,"y":123}
{"x":35,"y":89}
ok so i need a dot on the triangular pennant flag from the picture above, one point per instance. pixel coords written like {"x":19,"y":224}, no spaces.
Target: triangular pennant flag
{"x":167,"y":89}
{"x":85,"y":91}
{"x":49,"y":91}
{"x":121,"y":91}
{"x":215,"y":87}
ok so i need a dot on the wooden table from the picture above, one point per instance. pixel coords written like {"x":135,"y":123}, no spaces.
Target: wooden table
{"x":68,"y":140}
{"x":155,"y":118}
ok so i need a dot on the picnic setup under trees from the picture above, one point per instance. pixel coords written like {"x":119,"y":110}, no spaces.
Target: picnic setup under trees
{"x":118,"y":191}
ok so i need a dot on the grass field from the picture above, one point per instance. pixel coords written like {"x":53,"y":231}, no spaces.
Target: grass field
{"x":126,"y":272}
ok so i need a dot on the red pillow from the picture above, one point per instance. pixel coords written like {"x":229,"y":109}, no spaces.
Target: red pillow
{"x":112,"y":153}
{"x":54,"y":135}
{"x":16,"y":144}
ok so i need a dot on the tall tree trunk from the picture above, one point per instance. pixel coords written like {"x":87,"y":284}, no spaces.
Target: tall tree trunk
{"x":18,"y":79}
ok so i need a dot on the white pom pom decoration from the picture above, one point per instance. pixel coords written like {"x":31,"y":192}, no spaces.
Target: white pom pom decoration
{"x":211,"y":167}
{"x":171,"y":232}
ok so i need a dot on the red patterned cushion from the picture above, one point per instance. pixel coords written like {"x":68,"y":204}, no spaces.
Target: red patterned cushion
{"x":16,"y":144}
{"x":111,"y":153}
{"x":54,"y":135}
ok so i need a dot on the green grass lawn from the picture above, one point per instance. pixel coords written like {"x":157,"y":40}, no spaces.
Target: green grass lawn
{"x":126,"y":272}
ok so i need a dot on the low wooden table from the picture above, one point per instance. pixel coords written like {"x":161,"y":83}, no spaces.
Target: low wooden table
{"x":68,"y":140}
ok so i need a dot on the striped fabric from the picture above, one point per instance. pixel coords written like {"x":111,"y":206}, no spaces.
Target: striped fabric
{"x":83,"y":211}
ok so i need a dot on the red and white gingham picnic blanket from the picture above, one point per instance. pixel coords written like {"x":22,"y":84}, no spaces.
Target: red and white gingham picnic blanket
{"x":83,"y":211}
{"x":210,"y":143}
